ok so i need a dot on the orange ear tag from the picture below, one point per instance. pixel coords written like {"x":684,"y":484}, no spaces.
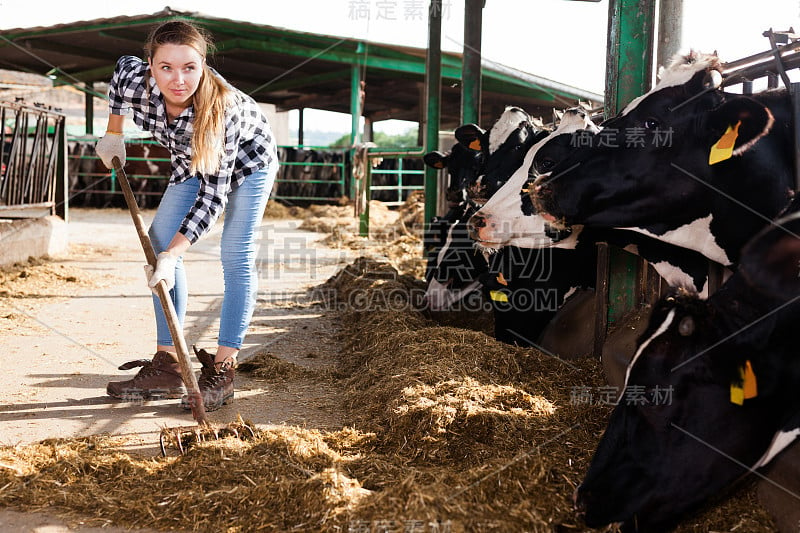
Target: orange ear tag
{"x":723,"y":148}
{"x":749,"y":387}
{"x":475,"y":145}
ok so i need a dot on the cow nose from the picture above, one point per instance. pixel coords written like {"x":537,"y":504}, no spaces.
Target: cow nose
{"x":476,"y":222}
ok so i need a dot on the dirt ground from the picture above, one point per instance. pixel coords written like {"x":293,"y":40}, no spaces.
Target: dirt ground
{"x":67,"y":323}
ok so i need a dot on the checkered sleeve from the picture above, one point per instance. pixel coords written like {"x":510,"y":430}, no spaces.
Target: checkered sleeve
{"x":212,"y":195}
{"x":128,"y":85}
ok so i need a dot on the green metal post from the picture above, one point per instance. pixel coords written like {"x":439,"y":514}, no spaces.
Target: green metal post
{"x":471,"y":72}
{"x":399,"y":179}
{"x":670,"y":30}
{"x":629,"y":55}
{"x":300,"y":127}
{"x":433,"y":91}
{"x":62,"y":173}
{"x":356,"y":102}
{"x":629,"y":60}
{"x":89,"y":108}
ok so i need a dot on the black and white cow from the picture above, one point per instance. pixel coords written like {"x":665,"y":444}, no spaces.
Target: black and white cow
{"x":685,"y":163}
{"x":463,"y":163}
{"x":525,"y":285}
{"x":455,"y":269}
{"x":454,"y":265}
{"x":509,"y":218}
{"x":710,"y":394}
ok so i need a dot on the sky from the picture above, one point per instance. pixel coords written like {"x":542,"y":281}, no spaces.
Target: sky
{"x":558,"y":39}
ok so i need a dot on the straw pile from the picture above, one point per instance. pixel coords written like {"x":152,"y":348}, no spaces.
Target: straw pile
{"x":394,"y":234}
{"x":449,"y":431}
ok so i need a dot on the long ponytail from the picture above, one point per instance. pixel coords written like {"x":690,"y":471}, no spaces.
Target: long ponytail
{"x":210,"y":101}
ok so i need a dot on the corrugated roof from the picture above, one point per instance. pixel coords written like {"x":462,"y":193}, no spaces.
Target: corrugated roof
{"x":288,"y":68}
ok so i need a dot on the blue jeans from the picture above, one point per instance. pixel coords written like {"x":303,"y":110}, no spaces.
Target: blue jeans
{"x":238,"y":248}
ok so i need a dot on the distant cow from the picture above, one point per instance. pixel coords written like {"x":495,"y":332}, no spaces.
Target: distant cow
{"x":147,"y":166}
{"x":454,"y":264}
{"x":309,"y":173}
{"x":710,"y":394}
{"x":685,"y":163}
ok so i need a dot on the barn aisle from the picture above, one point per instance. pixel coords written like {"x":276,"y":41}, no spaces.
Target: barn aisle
{"x":90,"y":311}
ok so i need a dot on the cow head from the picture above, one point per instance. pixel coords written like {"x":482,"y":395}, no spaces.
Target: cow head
{"x":710,"y":393}
{"x":454,"y":266}
{"x":685,"y":163}
{"x":508,"y":218}
{"x":454,"y":269}
{"x":462,"y":163}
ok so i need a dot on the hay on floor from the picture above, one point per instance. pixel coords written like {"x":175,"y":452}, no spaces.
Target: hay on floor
{"x":449,"y":430}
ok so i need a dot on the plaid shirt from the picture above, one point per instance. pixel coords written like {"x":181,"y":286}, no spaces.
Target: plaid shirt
{"x":249,"y":144}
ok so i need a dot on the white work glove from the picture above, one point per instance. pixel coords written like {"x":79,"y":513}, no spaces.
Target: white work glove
{"x":165,"y":269}
{"x":110,"y":145}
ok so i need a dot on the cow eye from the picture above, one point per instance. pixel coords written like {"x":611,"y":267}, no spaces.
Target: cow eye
{"x":545,"y":164}
{"x":686,"y":326}
{"x":651,"y":124}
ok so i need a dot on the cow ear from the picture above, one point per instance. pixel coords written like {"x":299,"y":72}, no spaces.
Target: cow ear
{"x":539,"y":135}
{"x":436,"y":159}
{"x":472,"y":136}
{"x":737,"y":125}
{"x":771,"y":260}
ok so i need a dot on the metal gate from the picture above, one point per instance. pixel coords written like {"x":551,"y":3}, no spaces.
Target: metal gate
{"x":32,"y":161}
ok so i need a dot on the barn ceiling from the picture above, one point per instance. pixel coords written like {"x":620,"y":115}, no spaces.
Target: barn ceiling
{"x":287,"y":68}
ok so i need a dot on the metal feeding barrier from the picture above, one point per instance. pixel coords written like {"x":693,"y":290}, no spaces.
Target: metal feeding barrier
{"x":774,"y":64}
{"x":32,"y":167}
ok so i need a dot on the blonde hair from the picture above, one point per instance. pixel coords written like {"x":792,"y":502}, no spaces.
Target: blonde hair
{"x":210,"y":99}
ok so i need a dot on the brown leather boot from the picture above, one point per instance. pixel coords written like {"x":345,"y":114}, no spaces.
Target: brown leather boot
{"x":159,"y":378}
{"x":215,"y":382}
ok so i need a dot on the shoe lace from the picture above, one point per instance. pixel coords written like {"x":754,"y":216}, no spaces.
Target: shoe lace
{"x":148,"y":370}
{"x":210,"y":377}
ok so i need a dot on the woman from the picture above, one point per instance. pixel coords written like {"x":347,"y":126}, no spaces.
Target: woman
{"x":223,"y":158}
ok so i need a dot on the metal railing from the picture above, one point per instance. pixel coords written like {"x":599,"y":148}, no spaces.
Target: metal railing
{"x":363,"y":187}
{"x":340,"y":173}
{"x":103,"y":181}
{"x":400,"y":173}
{"x":93,"y":178}
{"x":32,"y":169}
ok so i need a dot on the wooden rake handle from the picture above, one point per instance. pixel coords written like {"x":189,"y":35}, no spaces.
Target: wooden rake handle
{"x":189,"y":379}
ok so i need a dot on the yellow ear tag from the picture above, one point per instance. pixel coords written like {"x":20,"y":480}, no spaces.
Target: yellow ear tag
{"x":501,"y":280}
{"x":498,"y":296}
{"x":748,"y":389}
{"x":723,"y":148}
{"x":475,"y":145}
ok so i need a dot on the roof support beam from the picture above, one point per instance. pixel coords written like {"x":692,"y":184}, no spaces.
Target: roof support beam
{"x":433,"y":93}
{"x":337,"y":56}
{"x":629,"y":58}
{"x":60,"y":48}
{"x":471,"y":86}
{"x":306,"y":81}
